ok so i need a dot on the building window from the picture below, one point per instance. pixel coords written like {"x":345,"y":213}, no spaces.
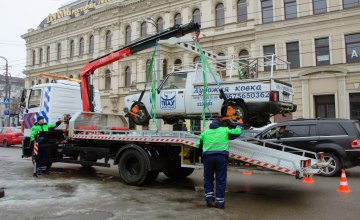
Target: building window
{"x":220,"y":15}
{"x":165,"y":68}
{"x":91,"y":44}
{"x":221,"y":66}
{"x":244,"y":56}
{"x":47,"y":80}
{"x":71,"y":76}
{"x":352,"y":42}
{"x":178,"y":19}
{"x":72,"y":48}
{"x":319,"y":6}
{"x":267,"y":11}
{"x":197,"y":59}
{"x":350,"y":3}
{"x":127,"y":35}
{"x":48,"y":54}
{"x":81,"y":46}
{"x":325,"y":106}
{"x":148,"y":73}
{"x":107,"y":79}
{"x":197,"y":16}
{"x":108,"y":40}
{"x":127,"y":77}
{"x":322,"y":51}
{"x":269,"y":50}
{"x":160,"y":24}
{"x":290,"y":9}
{"x":33,"y":57}
{"x":32,"y":83}
{"x":59,"y":51}
{"x":40,"y":55}
{"x":242,"y":10}
{"x":177,"y":64}
{"x":39,"y":82}
{"x":354,"y":99}
{"x":293,"y":56}
{"x":143,"y":29}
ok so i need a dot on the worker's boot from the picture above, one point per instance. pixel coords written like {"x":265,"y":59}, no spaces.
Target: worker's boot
{"x":210,"y":204}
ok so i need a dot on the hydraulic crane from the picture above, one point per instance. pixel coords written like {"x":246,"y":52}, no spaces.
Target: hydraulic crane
{"x":89,"y":68}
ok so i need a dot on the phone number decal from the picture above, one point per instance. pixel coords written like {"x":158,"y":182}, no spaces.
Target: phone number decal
{"x":253,"y":95}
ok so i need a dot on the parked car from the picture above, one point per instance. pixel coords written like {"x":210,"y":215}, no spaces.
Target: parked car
{"x":339,"y":139}
{"x":10,"y":136}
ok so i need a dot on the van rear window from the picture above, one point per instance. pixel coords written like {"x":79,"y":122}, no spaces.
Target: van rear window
{"x":330,"y":129}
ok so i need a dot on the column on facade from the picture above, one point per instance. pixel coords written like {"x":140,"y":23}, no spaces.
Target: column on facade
{"x":305,"y":8}
{"x":206,"y":13}
{"x":168,"y":20}
{"x":337,"y":53}
{"x":305,"y":97}
{"x":29,"y":57}
{"x":115,"y":43}
{"x":230,"y":7}
{"x":254,"y":11}
{"x":186,"y":15}
{"x":334,"y":5}
{"x":97,"y":41}
{"x":278,"y":10}
{"x":230,"y":52}
{"x":116,"y":74}
{"x":342,"y":101}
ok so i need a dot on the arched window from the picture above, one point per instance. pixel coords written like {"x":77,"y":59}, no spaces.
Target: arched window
{"x":33,"y":57}
{"x":148,"y":76}
{"x":160,"y":24}
{"x":40,"y":55}
{"x":39,"y":82}
{"x":71,"y":76}
{"x":165,"y":66}
{"x":197,"y":16}
{"x":72,"y":48}
{"x":127,"y":35}
{"x":59,"y":51}
{"x":108,"y":40}
{"x":127,"y":77}
{"x":47,"y":80}
{"x":197,"y":59}
{"x":178,"y":19}
{"x":91,"y":44}
{"x":48,"y":54}
{"x":244,"y":66}
{"x":242,"y":10}
{"x":244,"y":54}
{"x":32,"y":83}
{"x":107,"y":79}
{"x":220,"y":15}
{"x":221,"y":66}
{"x":143,"y":31}
{"x":177,"y":64}
{"x":81,"y":46}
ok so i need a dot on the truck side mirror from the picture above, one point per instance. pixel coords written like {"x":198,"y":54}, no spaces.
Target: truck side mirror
{"x":23,"y":96}
{"x":158,"y":91}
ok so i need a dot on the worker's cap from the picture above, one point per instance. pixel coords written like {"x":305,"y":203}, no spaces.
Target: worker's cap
{"x":39,"y":118}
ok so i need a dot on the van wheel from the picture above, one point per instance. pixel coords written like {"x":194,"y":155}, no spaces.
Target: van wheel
{"x":139,"y":115}
{"x":5,"y":143}
{"x":133,"y":168}
{"x":335,"y":165}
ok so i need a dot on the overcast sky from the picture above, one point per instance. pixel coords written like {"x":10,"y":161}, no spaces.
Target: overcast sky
{"x":16,"y":17}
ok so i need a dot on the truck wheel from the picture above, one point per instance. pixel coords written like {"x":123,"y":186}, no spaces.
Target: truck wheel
{"x":133,"y":168}
{"x":237,"y":109}
{"x":139,"y":115}
{"x":152,"y":175}
{"x":335,"y":165}
{"x":178,"y":172}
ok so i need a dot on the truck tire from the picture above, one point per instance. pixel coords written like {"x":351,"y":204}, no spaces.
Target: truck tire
{"x":133,"y":168}
{"x":141,"y":110}
{"x":178,"y":172}
{"x":240,"y":112}
{"x":151,"y":176}
{"x":334,"y":167}
{"x":2,"y":193}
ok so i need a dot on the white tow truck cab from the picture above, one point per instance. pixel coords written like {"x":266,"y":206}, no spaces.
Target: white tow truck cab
{"x":254,"y":94}
{"x":52,"y":101}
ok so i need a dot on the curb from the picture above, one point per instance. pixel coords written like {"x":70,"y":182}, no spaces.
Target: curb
{"x":2,"y":193}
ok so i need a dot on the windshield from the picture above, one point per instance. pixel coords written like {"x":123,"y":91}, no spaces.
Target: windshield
{"x":175,"y":81}
{"x":34,"y":100}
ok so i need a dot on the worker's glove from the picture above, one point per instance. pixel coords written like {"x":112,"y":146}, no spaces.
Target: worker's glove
{"x":58,"y":123}
{"x":239,"y":126}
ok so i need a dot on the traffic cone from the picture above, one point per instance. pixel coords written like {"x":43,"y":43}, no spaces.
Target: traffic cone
{"x":344,"y":187}
{"x":308,"y":180}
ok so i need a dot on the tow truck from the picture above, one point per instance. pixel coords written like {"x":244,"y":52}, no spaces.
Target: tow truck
{"x":94,"y":139}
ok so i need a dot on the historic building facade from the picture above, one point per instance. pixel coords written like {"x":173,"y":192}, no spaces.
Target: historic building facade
{"x":321,"y":39}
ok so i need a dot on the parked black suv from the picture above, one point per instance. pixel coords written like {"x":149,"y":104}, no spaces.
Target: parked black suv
{"x":339,"y":139}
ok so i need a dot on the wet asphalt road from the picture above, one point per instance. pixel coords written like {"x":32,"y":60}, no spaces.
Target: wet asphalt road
{"x":72,"y":192}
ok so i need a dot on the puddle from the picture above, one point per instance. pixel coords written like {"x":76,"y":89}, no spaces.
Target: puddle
{"x":84,"y":216}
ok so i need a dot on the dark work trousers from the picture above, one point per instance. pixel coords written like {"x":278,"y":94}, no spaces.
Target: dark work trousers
{"x":42,"y":159}
{"x":215,"y":164}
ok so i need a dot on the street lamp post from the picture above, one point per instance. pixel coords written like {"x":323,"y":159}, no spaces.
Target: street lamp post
{"x":7,"y":92}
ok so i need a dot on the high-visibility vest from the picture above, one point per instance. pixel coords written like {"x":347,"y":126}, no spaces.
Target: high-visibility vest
{"x":217,"y":139}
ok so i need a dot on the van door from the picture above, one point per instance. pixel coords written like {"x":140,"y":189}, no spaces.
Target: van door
{"x":172,"y":95}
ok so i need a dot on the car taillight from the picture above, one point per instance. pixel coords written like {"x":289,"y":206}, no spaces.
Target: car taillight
{"x":355,"y":143}
{"x":274,"y":96}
